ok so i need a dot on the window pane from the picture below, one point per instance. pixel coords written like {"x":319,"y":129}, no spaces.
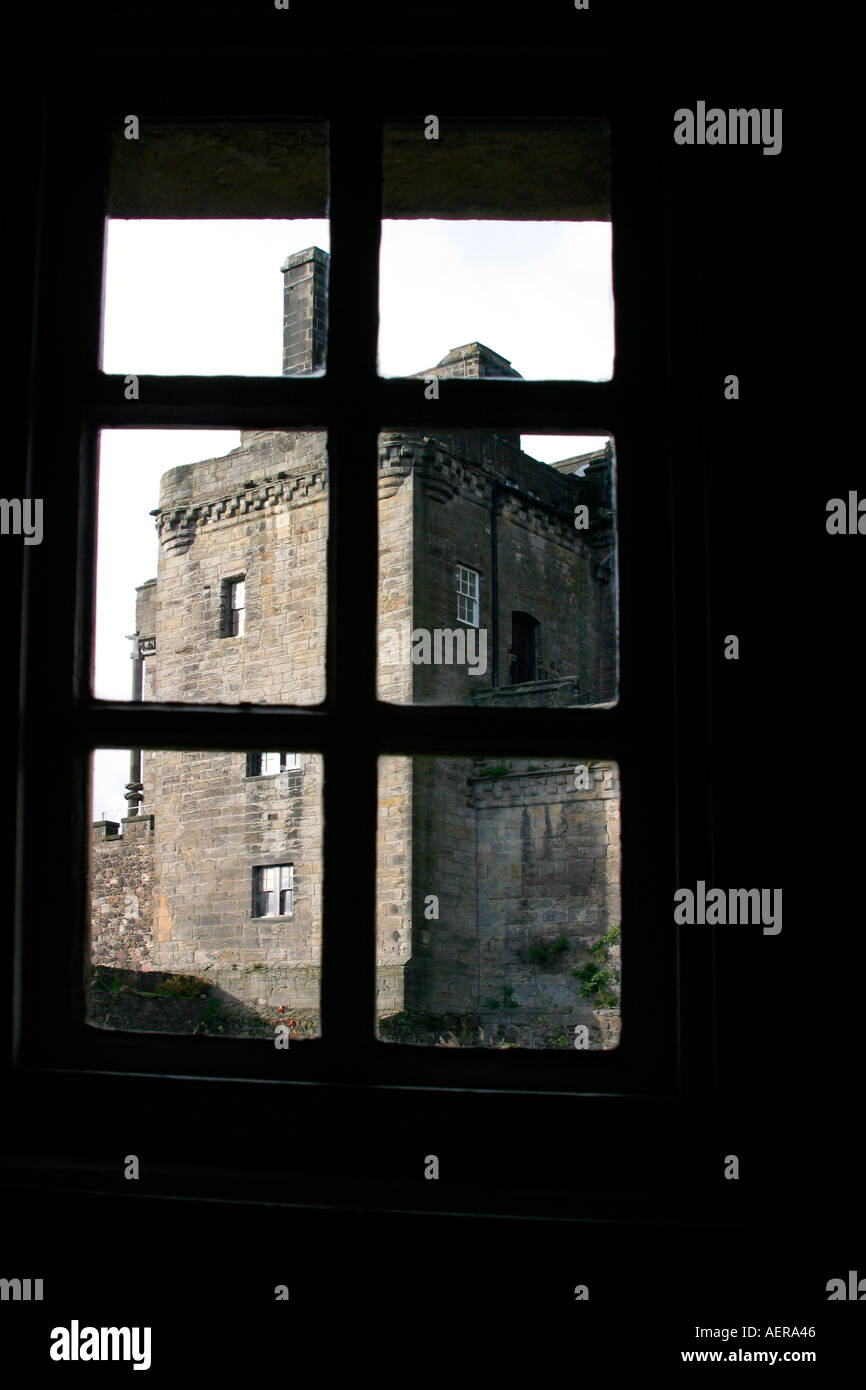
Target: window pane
{"x":497,"y":236}
{"x":497,"y":569}
{"x":467,"y":596}
{"x":202,"y":221}
{"x":220,"y":170}
{"x":499,"y":902}
{"x":190,"y":930}
{"x":233,"y":608}
{"x":272,"y":891}
{"x":540,"y":293}
{"x":264,"y":901}
{"x":216,"y":298}
{"x":215,"y":569}
{"x":269,"y":764}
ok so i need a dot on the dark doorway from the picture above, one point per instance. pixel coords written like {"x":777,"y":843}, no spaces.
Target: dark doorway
{"x":523,"y":627}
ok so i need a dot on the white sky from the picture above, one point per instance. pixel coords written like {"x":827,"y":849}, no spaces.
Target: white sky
{"x":205,"y":298}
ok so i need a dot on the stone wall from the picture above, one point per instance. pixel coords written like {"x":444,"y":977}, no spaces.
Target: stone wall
{"x":121,"y":893}
{"x":214,"y":826}
{"x":548,"y":871}
{"x":517,"y":860}
{"x":544,"y":566}
{"x":443,"y":974}
{"x":397,"y":489}
{"x":261,"y":513}
{"x":394,"y":935}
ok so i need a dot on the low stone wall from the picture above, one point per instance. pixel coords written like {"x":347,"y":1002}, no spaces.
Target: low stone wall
{"x":121,"y":893}
{"x":154,"y":1001}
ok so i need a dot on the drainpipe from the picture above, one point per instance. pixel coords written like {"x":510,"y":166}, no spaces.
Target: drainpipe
{"x":495,"y":494}
{"x":134,"y":786}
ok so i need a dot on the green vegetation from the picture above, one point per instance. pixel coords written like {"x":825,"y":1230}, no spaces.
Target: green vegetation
{"x":212,"y":1011}
{"x":597,"y":974}
{"x":496,"y":770}
{"x":174,"y":987}
{"x":180,"y":987}
{"x":507,"y":1002}
{"x":546,"y":955}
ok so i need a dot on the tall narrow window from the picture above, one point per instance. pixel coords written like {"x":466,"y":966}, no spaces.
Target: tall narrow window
{"x":273,"y":886}
{"x":467,"y":596}
{"x":234,"y":607}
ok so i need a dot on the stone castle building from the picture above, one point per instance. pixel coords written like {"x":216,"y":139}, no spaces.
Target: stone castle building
{"x":497,"y":585}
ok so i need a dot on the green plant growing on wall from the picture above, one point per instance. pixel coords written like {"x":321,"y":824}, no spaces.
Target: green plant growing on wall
{"x":181,"y":987}
{"x":599,"y":950}
{"x":506,"y":1002}
{"x":543,"y":954}
{"x":496,"y":770}
{"x":597,"y":973}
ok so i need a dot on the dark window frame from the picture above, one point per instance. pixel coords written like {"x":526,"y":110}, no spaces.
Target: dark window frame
{"x":259,"y":869}
{"x":254,"y":764}
{"x":657,"y":732}
{"x":477,"y":573}
{"x":228,"y":626}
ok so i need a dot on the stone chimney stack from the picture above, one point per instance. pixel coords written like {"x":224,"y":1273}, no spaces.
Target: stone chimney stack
{"x":305,"y":311}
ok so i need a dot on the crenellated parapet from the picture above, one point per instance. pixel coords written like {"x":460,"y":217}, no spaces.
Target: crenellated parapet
{"x":488,"y":469}
{"x":177,"y":526}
